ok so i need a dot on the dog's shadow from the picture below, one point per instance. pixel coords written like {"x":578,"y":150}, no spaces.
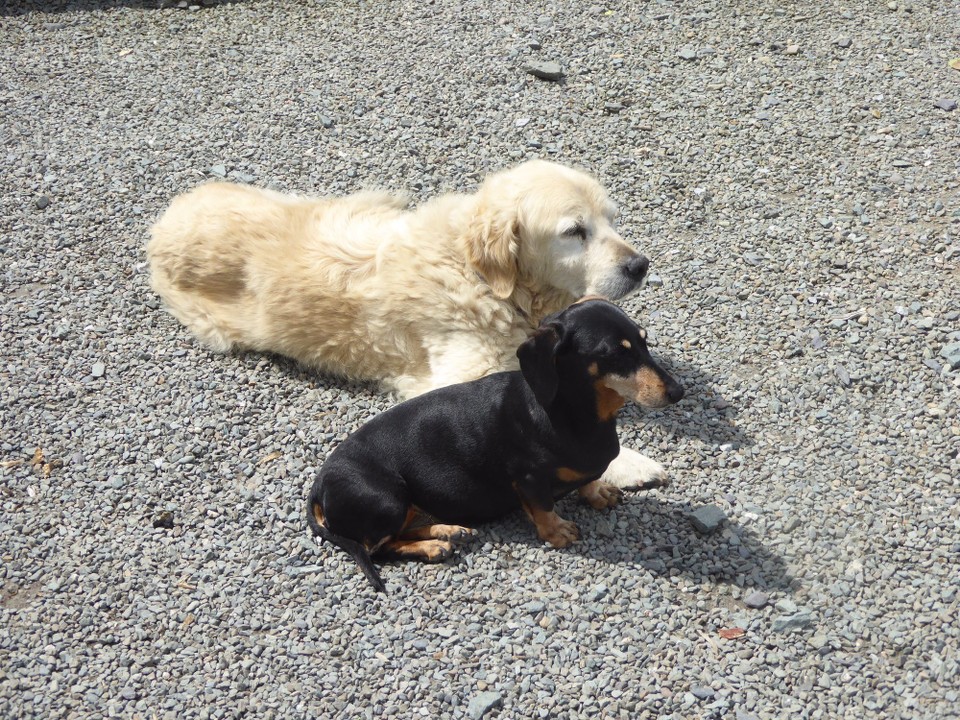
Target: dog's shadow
{"x":657,"y":535}
{"x":703,"y":413}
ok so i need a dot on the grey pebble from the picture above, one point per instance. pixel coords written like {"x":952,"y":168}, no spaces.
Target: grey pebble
{"x":702,"y":693}
{"x":756,"y":600}
{"x":687,"y":53}
{"x":797,"y":621}
{"x":951,"y":353}
{"x":842,"y":375}
{"x":946,"y":104}
{"x":43,"y":202}
{"x":219,"y":170}
{"x":98,"y":369}
{"x":545,"y":70}
{"x":481,"y":703}
{"x":844,"y":42}
{"x":707,"y":519}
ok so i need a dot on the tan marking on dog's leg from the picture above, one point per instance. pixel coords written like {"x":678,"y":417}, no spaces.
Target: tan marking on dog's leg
{"x":318,"y":515}
{"x":425,"y":550}
{"x":553,"y":528}
{"x":600,"y":495}
{"x":452,"y":533}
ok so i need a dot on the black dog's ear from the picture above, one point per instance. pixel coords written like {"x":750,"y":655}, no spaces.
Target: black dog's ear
{"x":538,"y":362}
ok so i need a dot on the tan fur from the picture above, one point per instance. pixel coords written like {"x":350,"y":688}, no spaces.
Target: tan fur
{"x":363,"y":288}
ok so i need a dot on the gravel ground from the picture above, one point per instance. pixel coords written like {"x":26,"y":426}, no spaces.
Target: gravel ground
{"x":792,"y":170}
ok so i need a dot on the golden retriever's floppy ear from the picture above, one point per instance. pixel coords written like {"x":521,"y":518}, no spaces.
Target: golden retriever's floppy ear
{"x":492,"y":246}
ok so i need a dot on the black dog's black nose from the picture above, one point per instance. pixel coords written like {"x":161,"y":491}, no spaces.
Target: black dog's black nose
{"x":636,"y":268}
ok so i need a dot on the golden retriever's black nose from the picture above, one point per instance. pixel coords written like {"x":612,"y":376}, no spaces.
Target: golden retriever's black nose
{"x":636,"y":268}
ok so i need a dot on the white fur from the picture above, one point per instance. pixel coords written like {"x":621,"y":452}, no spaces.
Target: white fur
{"x":363,"y":288}
{"x":632,"y":471}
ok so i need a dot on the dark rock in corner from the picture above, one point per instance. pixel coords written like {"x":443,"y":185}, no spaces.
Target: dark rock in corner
{"x":163,"y":520}
{"x":707,"y":519}
{"x":544,"y":70}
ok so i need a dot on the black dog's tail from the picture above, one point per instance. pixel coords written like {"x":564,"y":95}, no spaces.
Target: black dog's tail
{"x":357,"y":551}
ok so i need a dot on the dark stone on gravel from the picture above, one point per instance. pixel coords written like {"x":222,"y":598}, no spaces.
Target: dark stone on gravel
{"x":797,"y":621}
{"x":951,"y":353}
{"x":163,"y":520}
{"x":533,"y":43}
{"x":612,"y":108}
{"x":482,"y":703}
{"x":842,"y":375}
{"x":702,"y":693}
{"x":756,"y":600}
{"x":707,"y":519}
{"x":326,"y":121}
{"x":544,"y":70}
{"x":946,"y":104}
{"x":43,"y":202}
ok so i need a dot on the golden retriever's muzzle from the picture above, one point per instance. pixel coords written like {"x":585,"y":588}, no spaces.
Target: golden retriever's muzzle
{"x":627,"y":276}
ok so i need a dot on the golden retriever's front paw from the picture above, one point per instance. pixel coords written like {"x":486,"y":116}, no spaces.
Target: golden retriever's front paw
{"x":561,"y":533}
{"x":632,"y":471}
{"x":601,"y":495}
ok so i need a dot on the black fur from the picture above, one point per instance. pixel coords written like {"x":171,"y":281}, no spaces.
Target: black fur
{"x":474,"y":452}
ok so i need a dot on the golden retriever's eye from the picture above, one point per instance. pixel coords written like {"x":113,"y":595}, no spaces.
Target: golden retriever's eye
{"x":577,"y":231}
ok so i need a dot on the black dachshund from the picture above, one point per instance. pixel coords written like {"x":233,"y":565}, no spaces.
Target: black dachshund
{"x":476,"y":451}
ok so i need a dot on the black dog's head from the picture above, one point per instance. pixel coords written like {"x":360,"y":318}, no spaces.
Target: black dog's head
{"x":592,"y":346}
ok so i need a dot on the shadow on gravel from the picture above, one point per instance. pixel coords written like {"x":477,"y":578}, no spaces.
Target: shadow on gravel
{"x":703,"y":413}
{"x":660,"y":538}
{"x":10,"y":8}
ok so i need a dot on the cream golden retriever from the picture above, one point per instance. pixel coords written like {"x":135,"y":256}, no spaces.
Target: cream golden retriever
{"x":364,"y":288}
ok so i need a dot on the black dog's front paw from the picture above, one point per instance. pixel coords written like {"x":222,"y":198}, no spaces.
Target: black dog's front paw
{"x":601,"y":495}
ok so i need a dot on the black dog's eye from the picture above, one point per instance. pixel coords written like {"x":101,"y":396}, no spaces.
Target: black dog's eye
{"x":577,"y":230}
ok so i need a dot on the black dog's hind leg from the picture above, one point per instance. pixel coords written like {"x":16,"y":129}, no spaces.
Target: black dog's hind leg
{"x":357,"y":551}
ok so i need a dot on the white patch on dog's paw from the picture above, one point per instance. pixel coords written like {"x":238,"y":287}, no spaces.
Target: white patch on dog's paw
{"x":632,"y":471}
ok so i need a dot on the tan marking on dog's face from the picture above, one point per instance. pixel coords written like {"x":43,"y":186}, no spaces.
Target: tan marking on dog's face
{"x":643,"y":333}
{"x":593,"y":369}
{"x":565,"y":474}
{"x":609,"y":401}
{"x":643,"y":387}
{"x":626,"y":344}
{"x":318,"y":515}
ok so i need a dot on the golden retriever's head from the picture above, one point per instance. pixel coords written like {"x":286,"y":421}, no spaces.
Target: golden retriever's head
{"x":550,"y":226}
